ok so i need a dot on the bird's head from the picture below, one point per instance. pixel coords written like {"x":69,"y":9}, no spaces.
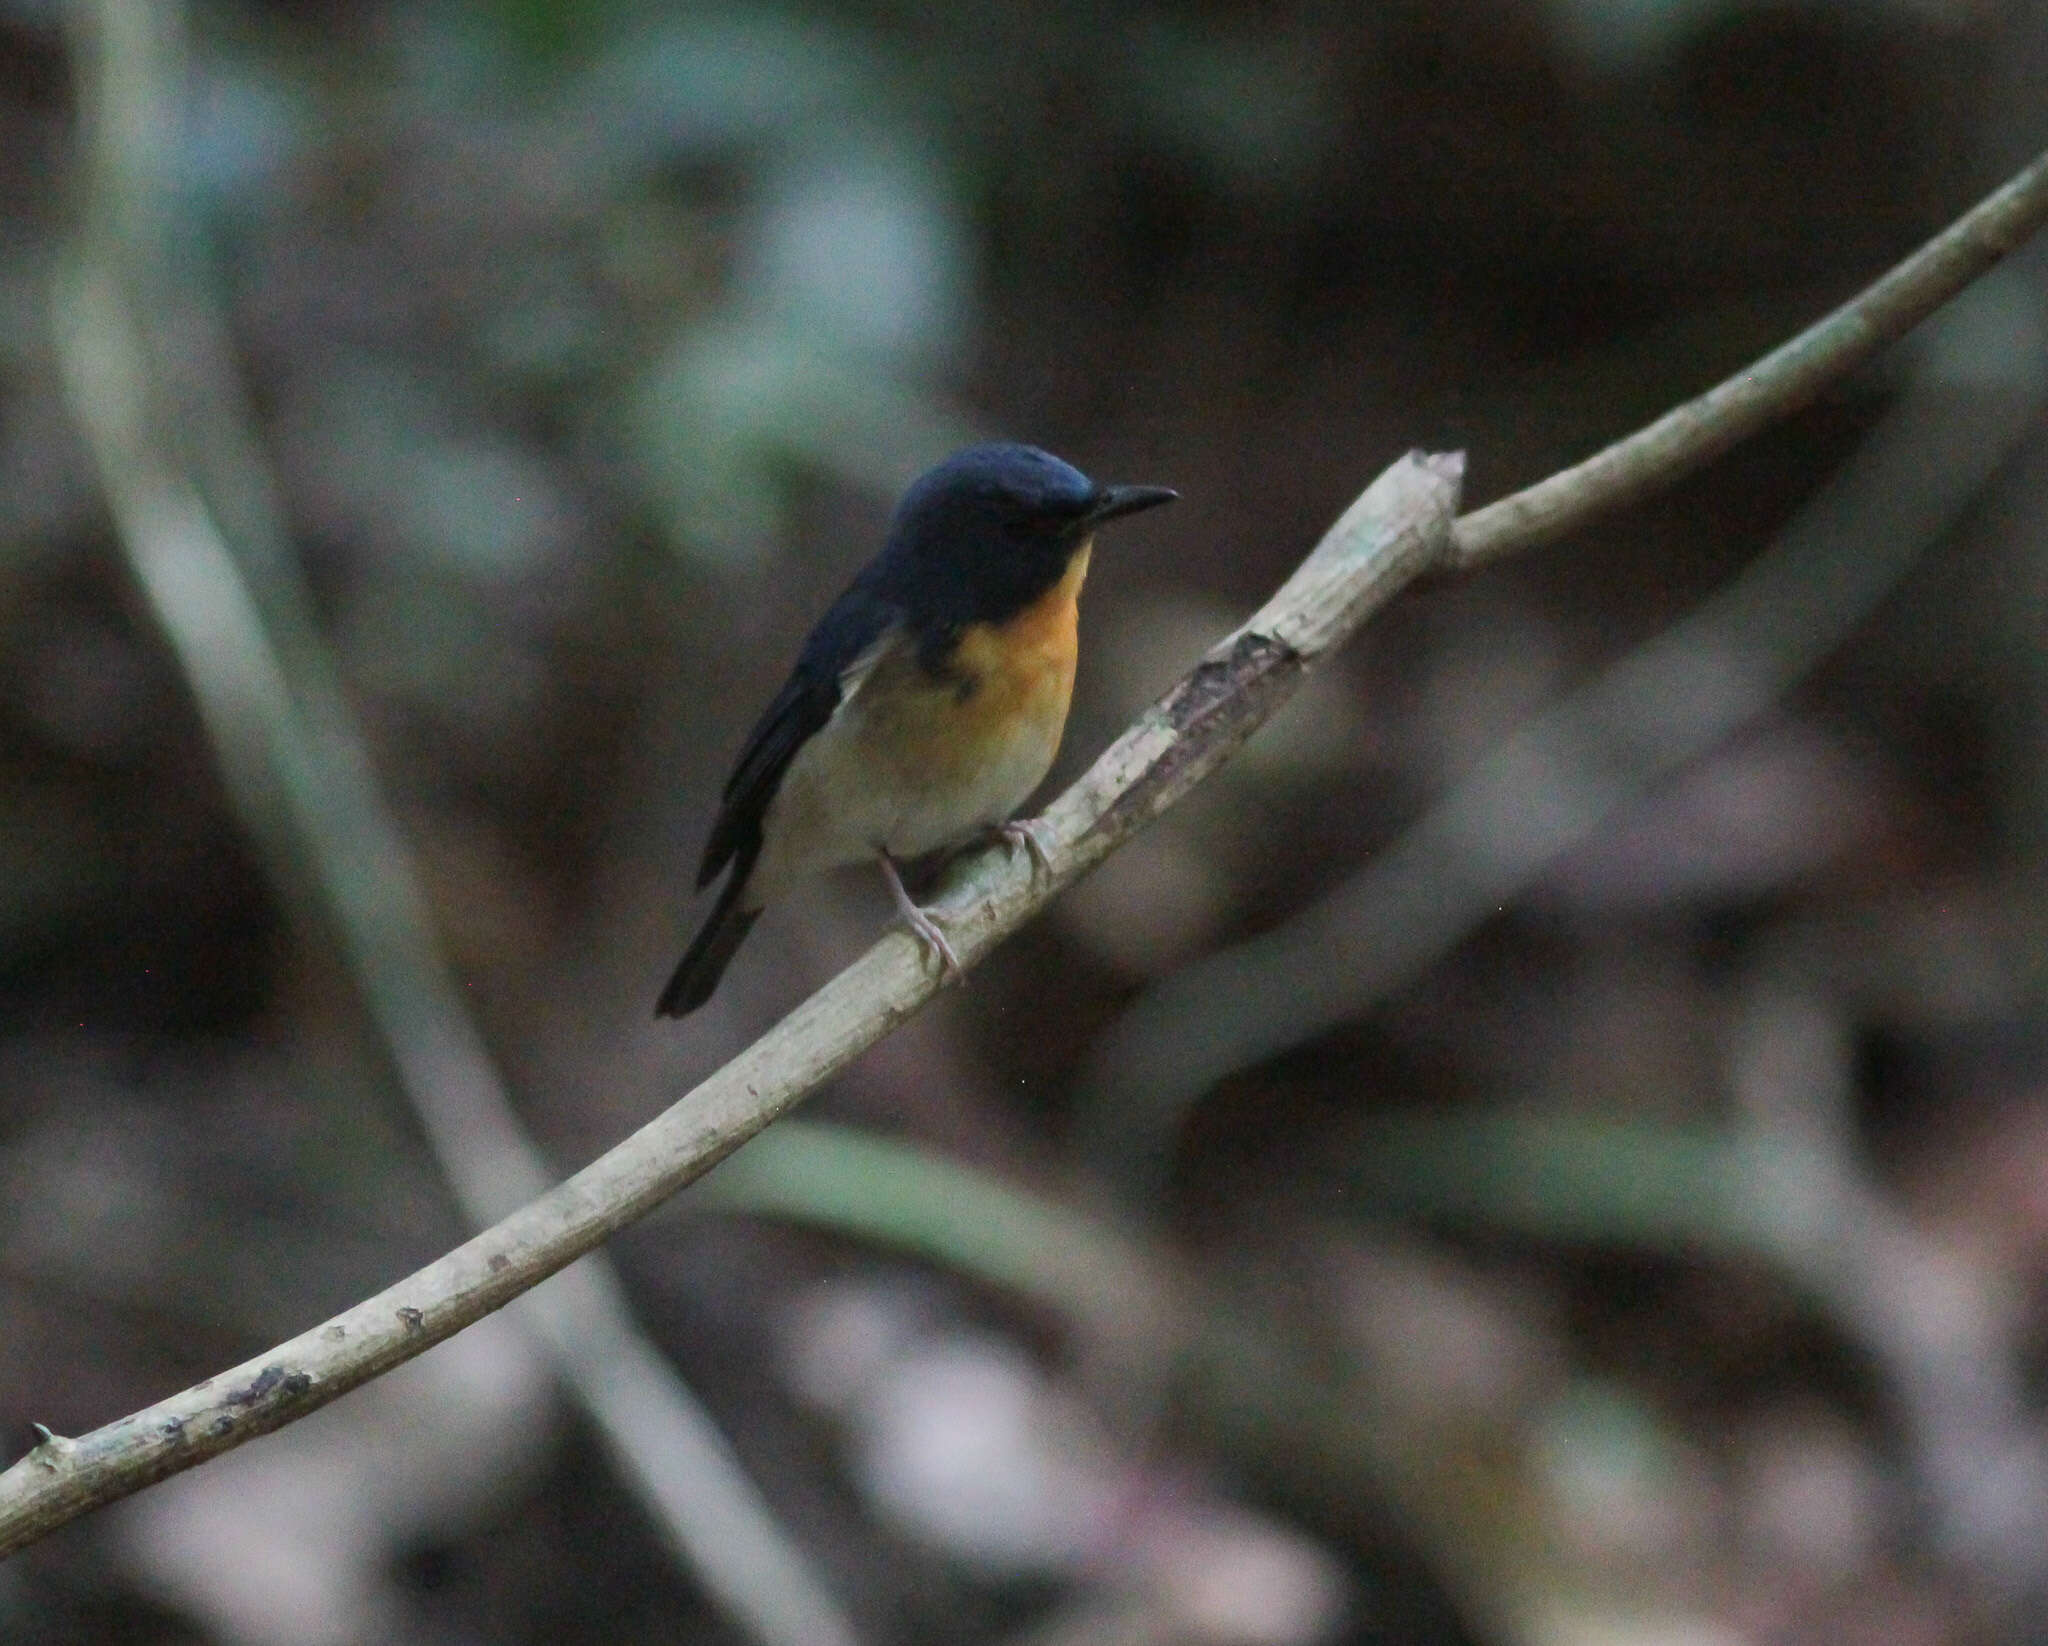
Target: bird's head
{"x":1007,"y":518}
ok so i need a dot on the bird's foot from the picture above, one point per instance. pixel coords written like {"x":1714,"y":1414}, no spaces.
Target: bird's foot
{"x":1028,"y":832}
{"x":922,"y":922}
{"x":926,"y":926}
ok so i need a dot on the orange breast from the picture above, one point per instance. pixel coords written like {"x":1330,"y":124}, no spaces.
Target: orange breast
{"x":1016,"y":679}
{"x":915,"y":761}
{"x":939,"y":757}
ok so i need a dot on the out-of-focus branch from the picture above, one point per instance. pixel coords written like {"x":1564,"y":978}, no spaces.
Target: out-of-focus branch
{"x":1974,"y":392}
{"x":1948,"y":1363}
{"x":147,"y":366}
{"x":1399,"y":529}
{"x":1358,"y":1444}
{"x":1978,"y":389}
{"x":1237,"y":1376}
{"x":899,"y":1195}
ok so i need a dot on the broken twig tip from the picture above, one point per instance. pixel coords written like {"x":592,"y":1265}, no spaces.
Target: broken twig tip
{"x":50,"y":1448}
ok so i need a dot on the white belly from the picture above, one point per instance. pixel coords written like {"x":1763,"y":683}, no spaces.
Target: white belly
{"x":910,"y":764}
{"x":845,"y":800}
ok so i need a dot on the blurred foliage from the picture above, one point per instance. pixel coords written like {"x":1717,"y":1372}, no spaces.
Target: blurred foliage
{"x":1666,"y":1260}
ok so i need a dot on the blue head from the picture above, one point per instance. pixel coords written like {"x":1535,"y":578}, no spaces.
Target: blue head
{"x":993,"y":527}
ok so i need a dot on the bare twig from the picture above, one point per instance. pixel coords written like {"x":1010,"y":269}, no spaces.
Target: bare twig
{"x":1783,"y":381}
{"x":1398,"y":530}
{"x":1393,"y":533}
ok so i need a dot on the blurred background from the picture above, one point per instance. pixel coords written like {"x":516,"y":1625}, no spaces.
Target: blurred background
{"x":1551,"y":1146}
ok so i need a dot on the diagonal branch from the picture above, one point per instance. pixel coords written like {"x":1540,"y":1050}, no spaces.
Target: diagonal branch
{"x":1780,"y":383}
{"x":1398,"y":530}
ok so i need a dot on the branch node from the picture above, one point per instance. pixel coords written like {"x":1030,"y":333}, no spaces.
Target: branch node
{"x":1449,"y":468}
{"x":53,"y":1451}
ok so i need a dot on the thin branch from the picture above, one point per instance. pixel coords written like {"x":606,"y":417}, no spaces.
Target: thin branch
{"x":1393,"y":533}
{"x":1780,"y":383}
{"x":1397,"y":531}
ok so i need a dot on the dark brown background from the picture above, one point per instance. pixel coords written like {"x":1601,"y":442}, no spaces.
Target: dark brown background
{"x":588,"y":345}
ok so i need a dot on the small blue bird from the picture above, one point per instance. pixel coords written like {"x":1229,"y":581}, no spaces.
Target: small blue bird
{"x":927,"y":703}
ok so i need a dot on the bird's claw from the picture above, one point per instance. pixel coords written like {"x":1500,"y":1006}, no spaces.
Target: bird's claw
{"x":1027,"y":832}
{"x":922,"y":923}
{"x":926,"y":926}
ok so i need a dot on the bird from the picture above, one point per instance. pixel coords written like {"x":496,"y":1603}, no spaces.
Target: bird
{"x":925,"y":705}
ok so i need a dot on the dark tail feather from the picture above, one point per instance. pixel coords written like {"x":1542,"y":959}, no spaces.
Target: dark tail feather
{"x":712,"y":949}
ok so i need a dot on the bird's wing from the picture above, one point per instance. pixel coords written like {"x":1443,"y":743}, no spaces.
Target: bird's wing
{"x":860,"y":628}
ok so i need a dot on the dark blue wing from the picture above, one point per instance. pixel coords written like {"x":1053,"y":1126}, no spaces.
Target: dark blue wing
{"x":856,"y":621}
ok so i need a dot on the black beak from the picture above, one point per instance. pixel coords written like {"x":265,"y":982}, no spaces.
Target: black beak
{"x":1114,"y":501}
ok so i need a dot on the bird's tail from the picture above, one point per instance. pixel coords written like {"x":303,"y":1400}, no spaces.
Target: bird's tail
{"x":712,"y":949}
